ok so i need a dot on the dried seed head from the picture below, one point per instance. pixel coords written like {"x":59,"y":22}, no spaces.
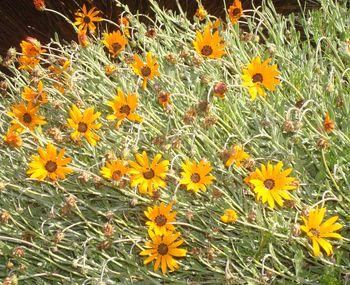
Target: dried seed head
{"x":249,"y":164}
{"x":217,"y":194}
{"x":4,"y":217}
{"x":184,"y":54}
{"x":104,"y":245}
{"x":56,"y":134}
{"x":220,"y":89}
{"x":3,"y":85}
{"x":18,"y":252}
{"x":271,"y":48}
{"x":252,"y":216}
{"x":322,"y":143}
{"x":110,"y":215}
{"x":71,"y":201}
{"x":108,"y":230}
{"x":171,"y":58}
{"x":84,"y":177}
{"x":11,"y":53}
{"x":210,"y":121}
{"x":156,"y":195}
{"x":59,"y":236}
{"x":189,"y":215}
{"x":159,"y":140}
{"x":246,"y":37}
{"x":110,"y":155}
{"x":296,"y":230}
{"x":151,"y":33}
{"x":288,"y":126}
{"x":176,"y":143}
{"x":203,"y":106}
{"x":340,"y":102}
{"x":205,"y":79}
{"x":190,"y":116}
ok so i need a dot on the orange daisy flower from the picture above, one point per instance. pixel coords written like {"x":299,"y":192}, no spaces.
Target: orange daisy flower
{"x":146,"y":70}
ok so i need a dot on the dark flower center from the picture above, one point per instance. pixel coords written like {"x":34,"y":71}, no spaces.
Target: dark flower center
{"x":160,"y":220}
{"x":163,"y":98}
{"x":207,"y":50}
{"x":195,"y":177}
{"x":269,"y":184}
{"x":116,"y":174}
{"x":148,"y":174}
{"x":51,"y":166}
{"x":315,"y":232}
{"x":82,"y":127}
{"x":27,"y":118}
{"x":146,"y":71}
{"x":125,"y":109}
{"x":257,"y":78}
{"x":163,"y":249}
{"x":236,"y":12}
{"x":87,"y":20}
{"x":116,"y":47}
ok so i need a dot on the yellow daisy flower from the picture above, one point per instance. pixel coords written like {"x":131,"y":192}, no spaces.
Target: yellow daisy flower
{"x":49,"y":164}
{"x":160,"y":218}
{"x":259,"y":75}
{"x":235,"y":11}
{"x":84,"y":124}
{"x":146,"y":70}
{"x":124,"y":107}
{"x":27,"y":116}
{"x":230,"y":216}
{"x":85,"y":19}
{"x":209,"y":45}
{"x":36,"y":97}
{"x":272,"y":184}
{"x":317,"y":231}
{"x":196,"y":176}
{"x":115,"y":42}
{"x":237,"y":156}
{"x":148,"y":176}
{"x":163,"y":249}
{"x":114,"y":170}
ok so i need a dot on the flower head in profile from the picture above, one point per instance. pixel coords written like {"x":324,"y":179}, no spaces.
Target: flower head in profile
{"x":196,"y":176}
{"x":83,"y":38}
{"x":28,"y":63}
{"x":147,"y":70}
{"x":39,"y":5}
{"x":148,"y":176}
{"x":201,"y":13}
{"x":31,"y":47}
{"x":49,"y":164}
{"x":258,"y":76}
{"x":230,"y":216}
{"x":110,"y":69}
{"x":84,"y":124}
{"x":37,"y":96}
{"x":160,"y":218}
{"x":318,"y":231}
{"x":235,"y":11}
{"x":328,"y":123}
{"x":85,"y":19}
{"x":209,"y":45}
{"x":26,"y":116}
{"x":124,"y":107}
{"x":236,"y":156}
{"x":164,"y":249}
{"x":272,"y":184}
{"x":115,"y":42}
{"x":114,"y":170}
{"x":13,"y":137}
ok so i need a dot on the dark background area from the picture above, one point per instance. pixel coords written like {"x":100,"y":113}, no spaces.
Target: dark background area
{"x":19,"y":18}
